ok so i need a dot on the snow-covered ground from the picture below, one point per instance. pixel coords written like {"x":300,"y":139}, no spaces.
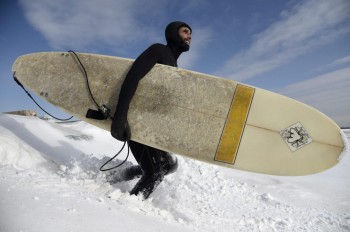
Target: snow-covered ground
{"x":49,"y":181}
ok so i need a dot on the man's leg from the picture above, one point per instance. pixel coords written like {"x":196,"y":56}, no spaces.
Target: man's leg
{"x":155,"y":165}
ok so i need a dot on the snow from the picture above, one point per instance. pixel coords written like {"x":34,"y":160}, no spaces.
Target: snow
{"x":49,"y":181}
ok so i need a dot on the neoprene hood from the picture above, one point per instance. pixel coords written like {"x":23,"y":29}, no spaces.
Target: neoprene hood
{"x":173,"y":38}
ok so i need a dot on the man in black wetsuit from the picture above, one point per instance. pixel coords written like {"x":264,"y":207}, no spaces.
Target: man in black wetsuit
{"x":154,"y":164}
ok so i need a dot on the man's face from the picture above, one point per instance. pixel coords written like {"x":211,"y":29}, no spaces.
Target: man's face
{"x":185,"y":34}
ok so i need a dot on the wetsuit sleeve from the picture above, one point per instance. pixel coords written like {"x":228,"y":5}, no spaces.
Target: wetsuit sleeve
{"x":142,"y":65}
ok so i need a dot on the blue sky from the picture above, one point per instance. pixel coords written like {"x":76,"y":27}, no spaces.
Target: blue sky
{"x":300,"y":49}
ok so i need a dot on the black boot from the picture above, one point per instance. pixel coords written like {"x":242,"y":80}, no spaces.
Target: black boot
{"x":132,"y":172}
{"x":155,"y":165}
{"x":147,"y":184}
{"x":125,"y":174}
{"x":167,"y":164}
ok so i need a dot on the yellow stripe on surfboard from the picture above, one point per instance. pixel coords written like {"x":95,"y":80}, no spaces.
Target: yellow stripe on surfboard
{"x":235,"y":123}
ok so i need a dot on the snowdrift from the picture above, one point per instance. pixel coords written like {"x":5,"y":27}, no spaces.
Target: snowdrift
{"x":49,"y":181}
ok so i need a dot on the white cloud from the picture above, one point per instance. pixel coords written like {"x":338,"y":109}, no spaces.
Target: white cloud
{"x":329,"y":93}
{"x":341,"y":61}
{"x":81,"y":24}
{"x":303,"y":28}
{"x":117,"y":25}
{"x":200,"y":38}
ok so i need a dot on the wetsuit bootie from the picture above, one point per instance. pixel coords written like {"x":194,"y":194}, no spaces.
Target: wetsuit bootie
{"x":125,"y":174}
{"x":147,"y":184}
{"x":169,"y":163}
{"x":132,"y":172}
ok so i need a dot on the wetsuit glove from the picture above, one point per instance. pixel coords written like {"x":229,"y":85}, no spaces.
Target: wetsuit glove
{"x":120,"y":129}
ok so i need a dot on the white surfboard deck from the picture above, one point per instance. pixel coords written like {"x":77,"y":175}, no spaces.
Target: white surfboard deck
{"x":196,"y":115}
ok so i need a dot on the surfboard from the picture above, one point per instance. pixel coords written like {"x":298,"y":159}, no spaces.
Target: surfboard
{"x":199,"y":116}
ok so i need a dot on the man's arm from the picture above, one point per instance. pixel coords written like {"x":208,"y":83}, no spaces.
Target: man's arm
{"x":142,"y":65}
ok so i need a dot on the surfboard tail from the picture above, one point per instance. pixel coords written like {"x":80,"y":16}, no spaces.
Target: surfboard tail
{"x":346,"y":146}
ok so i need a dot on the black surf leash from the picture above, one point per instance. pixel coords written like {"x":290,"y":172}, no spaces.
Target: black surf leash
{"x":111,"y":159}
{"x":103,"y":111}
{"x":20,"y":84}
{"x":101,"y":114}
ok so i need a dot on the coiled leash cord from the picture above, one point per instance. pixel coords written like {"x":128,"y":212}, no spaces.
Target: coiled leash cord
{"x":102,"y":113}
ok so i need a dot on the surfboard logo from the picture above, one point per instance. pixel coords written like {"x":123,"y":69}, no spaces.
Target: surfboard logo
{"x":296,"y":136}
